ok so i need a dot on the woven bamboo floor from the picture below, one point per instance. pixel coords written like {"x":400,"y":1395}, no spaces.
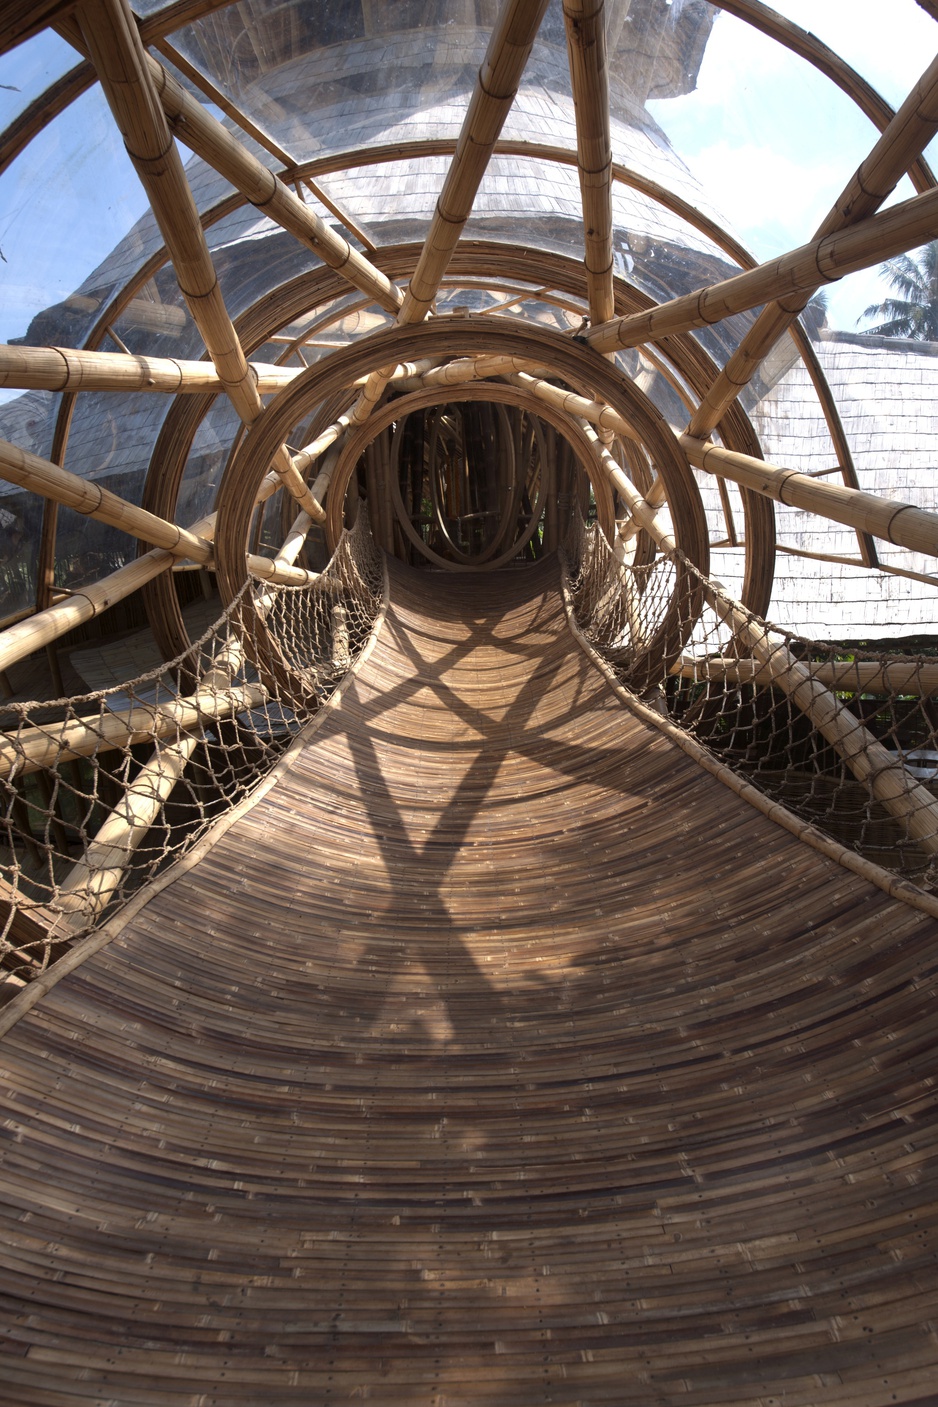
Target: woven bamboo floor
{"x":498,"y":1055}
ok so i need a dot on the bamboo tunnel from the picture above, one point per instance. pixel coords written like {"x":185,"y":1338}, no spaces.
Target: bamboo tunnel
{"x":906,"y":137}
{"x":889,"y":780}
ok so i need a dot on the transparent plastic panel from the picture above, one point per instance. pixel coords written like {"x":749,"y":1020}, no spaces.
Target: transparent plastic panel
{"x":20,"y":533}
{"x":29,"y":69}
{"x":206,"y":462}
{"x":772,"y":140}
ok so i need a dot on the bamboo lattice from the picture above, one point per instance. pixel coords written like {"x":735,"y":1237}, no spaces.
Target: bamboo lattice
{"x":728,"y":679}
{"x":100,"y":792}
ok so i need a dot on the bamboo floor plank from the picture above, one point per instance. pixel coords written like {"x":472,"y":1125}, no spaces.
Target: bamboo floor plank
{"x":498,"y":1054}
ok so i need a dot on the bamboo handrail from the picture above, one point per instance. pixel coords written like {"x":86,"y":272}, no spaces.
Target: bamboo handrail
{"x":900,"y":523}
{"x":866,"y":757}
{"x":49,"y":746}
{"x":75,"y":369}
{"x":906,"y":137}
{"x":855,"y":676}
{"x":113,"y":41}
{"x":585,"y":23}
{"x":869,"y":242}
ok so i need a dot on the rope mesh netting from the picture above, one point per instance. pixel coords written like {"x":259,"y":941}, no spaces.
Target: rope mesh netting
{"x":846,"y":739}
{"x":99,"y":792}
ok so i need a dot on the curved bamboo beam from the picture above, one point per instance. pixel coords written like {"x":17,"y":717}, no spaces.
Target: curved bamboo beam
{"x":113,"y":41}
{"x":902,"y":524}
{"x":907,"y":135}
{"x":75,"y":369}
{"x":822,"y":261}
{"x":585,"y":24}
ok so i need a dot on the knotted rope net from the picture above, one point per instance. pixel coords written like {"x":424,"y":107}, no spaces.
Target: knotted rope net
{"x":100,"y":792}
{"x":845,"y":738}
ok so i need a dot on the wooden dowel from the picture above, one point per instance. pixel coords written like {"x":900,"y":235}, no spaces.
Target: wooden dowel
{"x":74,"y":369}
{"x":906,"y":137}
{"x":899,"y":523}
{"x":871,"y":241}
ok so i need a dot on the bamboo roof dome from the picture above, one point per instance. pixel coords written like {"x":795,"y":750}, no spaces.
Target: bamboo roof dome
{"x":469,"y":735}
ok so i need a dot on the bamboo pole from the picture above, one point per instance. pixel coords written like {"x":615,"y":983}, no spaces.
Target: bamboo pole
{"x":585,"y":24}
{"x":74,"y":369}
{"x":866,"y":757}
{"x":40,"y":476}
{"x":869,"y":242}
{"x":49,"y":746}
{"x":204,"y":135}
{"x":899,"y":523}
{"x":854,"y":676}
{"x":905,"y":138}
{"x":113,"y":41}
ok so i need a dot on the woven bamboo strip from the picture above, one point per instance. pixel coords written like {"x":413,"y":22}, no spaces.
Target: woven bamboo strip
{"x":857,"y":676}
{"x":74,"y":369}
{"x":40,"y":476}
{"x":866,"y":757}
{"x":899,"y":523}
{"x":48,"y":746}
{"x":906,"y":137}
{"x":869,"y":242}
{"x":204,"y":135}
{"x":112,"y":38}
{"x":585,"y":22}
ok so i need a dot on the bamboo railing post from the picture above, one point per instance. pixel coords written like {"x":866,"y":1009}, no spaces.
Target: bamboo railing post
{"x":905,"y":138}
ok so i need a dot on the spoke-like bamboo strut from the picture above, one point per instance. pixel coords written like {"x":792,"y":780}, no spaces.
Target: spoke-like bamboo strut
{"x":206,"y":136}
{"x":900,"y":523}
{"x":866,"y":757}
{"x":903,"y":141}
{"x":494,"y":92}
{"x":852,"y":676}
{"x":585,"y":22}
{"x":892,"y":231}
{"x":98,"y":733}
{"x":111,"y":35}
{"x":73,"y":369}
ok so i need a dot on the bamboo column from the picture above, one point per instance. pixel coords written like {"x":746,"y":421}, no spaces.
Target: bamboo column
{"x":900,"y":523}
{"x":113,"y":41}
{"x":869,"y":242}
{"x":905,"y":138}
{"x":585,"y":22}
{"x":866,"y":757}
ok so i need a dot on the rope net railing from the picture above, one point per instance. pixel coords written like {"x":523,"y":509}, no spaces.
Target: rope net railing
{"x":846,"y":739}
{"x":100,"y":792}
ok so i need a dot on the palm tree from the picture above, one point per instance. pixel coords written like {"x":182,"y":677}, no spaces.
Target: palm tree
{"x":915,"y":313}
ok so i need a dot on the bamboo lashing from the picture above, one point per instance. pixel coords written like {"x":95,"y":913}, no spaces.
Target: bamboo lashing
{"x":111,"y":34}
{"x":869,"y":242}
{"x":585,"y":23}
{"x":906,"y":137}
{"x":900,"y":523}
{"x":870,"y":762}
{"x":76,"y":369}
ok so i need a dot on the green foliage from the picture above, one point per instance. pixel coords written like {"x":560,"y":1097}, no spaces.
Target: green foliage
{"x":914,"y":313}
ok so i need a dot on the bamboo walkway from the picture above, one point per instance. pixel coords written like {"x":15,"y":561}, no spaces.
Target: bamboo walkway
{"x":497,"y":1055}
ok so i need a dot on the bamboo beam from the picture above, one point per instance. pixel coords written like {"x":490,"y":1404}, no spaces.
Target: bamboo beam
{"x":49,"y":746}
{"x":854,"y":676}
{"x":113,"y":41}
{"x":900,"y":523}
{"x":905,"y":138}
{"x":585,"y":24}
{"x":40,"y":476}
{"x":869,"y":242}
{"x":205,"y":135}
{"x":74,"y":369}
{"x":866,"y":757}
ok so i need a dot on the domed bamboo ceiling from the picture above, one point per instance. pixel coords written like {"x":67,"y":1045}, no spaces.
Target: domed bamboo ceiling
{"x":454,"y":949}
